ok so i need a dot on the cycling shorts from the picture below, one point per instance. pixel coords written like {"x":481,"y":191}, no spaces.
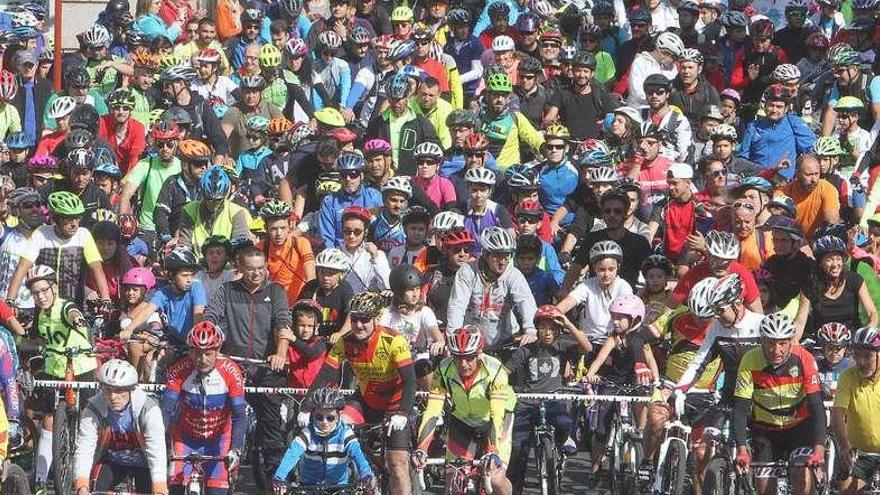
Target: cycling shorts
{"x":468,"y":442}
{"x":774,"y":445}
{"x":358,"y":413}
{"x":865,"y":466}
{"x":216,"y":476}
{"x":107,"y":475}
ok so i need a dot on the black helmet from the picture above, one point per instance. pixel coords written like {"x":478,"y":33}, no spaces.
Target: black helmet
{"x":529,"y":244}
{"x":177,"y":115}
{"x":584,"y":59}
{"x":77,"y":76}
{"x":415,"y":213}
{"x":530,"y":65}
{"x":404,"y":277}
{"x":657,"y":261}
{"x":115,"y":7}
{"x":107,"y":231}
{"x":84,"y":117}
{"x":78,"y":138}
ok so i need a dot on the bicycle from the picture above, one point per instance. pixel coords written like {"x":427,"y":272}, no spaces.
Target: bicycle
{"x":550,"y":461}
{"x":65,"y":423}
{"x":463,"y":477}
{"x":196,"y":485}
{"x":149,"y":368}
{"x":623,"y":448}
{"x":721,"y":477}
{"x":374,"y":442}
{"x":673,"y":471}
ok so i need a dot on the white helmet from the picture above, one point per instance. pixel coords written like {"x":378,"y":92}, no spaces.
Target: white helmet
{"x":429,"y":149}
{"x":118,"y":373}
{"x":96,"y":36}
{"x":330,"y":39}
{"x":497,"y":240}
{"x":333,"y":259}
{"x":728,"y":291}
{"x":503,"y":43}
{"x":447,"y":220}
{"x":700,"y":297}
{"x":722,"y":245}
{"x":777,"y":326}
{"x":40,"y":272}
{"x":62,"y":106}
{"x":398,"y":183}
{"x":480,"y":175}
{"x":23,"y":18}
{"x":724,"y":131}
{"x":786,"y":72}
{"x":603,"y":175}
{"x":606,"y":249}
{"x":670,"y":42}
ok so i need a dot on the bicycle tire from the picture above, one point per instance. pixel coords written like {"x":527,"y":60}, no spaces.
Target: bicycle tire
{"x":715,"y":481}
{"x":547,"y":458}
{"x":674,"y":469}
{"x":63,"y":447}
{"x":16,"y":481}
{"x":631,"y":461}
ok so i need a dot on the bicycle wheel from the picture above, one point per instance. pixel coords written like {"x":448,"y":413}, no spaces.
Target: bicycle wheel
{"x":63,"y":447}
{"x":673,"y":469}
{"x":717,"y":478}
{"x":631,"y":458}
{"x":16,"y":481}
{"x":547,"y":458}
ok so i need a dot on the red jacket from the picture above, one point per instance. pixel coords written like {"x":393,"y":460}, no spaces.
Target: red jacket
{"x":128,"y":152}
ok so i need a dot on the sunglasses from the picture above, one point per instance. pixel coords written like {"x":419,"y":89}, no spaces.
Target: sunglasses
{"x":325,"y":417}
{"x":426,"y":163}
{"x":354,"y":232}
{"x":123,"y":107}
{"x":615,"y":211}
{"x":555,"y":146}
{"x":30,"y":204}
{"x":361,"y":319}
{"x":528,"y":219}
{"x":656,"y":91}
{"x":528,"y":76}
{"x":716,"y":173}
{"x":166,"y":144}
{"x":350,"y":174}
{"x":742,"y":205}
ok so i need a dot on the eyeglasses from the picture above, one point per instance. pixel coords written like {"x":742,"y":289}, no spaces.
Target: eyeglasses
{"x":166,"y":144}
{"x":40,"y":291}
{"x":656,"y":91}
{"x":350,"y":174}
{"x":614,"y":211}
{"x":555,"y":146}
{"x":742,"y":205}
{"x":354,"y":232}
{"x":123,"y":107}
{"x":716,"y":173}
{"x":30,"y":204}
{"x":253,"y":269}
{"x":426,"y":163}
{"x":325,"y":417}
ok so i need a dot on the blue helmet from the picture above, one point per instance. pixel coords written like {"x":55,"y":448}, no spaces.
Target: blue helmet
{"x":220,"y":110}
{"x":350,"y":161}
{"x":215,"y":183}
{"x":755,"y":182}
{"x":528,"y":22}
{"x":398,"y":86}
{"x":595,"y":158}
{"x":109,"y":169}
{"x":18,"y":141}
{"x":401,"y":50}
{"x":829,"y":244}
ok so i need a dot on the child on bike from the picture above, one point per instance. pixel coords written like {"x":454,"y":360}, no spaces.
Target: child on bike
{"x":136,"y":283}
{"x":614,"y":365}
{"x":307,"y":350}
{"x":834,"y":338}
{"x":657,"y":270}
{"x":325,"y":433}
{"x":60,"y":326}
{"x":540,"y":368}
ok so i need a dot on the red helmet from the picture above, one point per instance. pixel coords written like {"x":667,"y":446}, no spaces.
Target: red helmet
{"x":529,"y":207}
{"x":357,"y":212}
{"x":465,"y":341}
{"x":762,"y":29}
{"x":205,"y":336}
{"x":461,"y":237}
{"x":8,"y":86}
{"x":165,"y":130}
{"x":834,"y":333}
{"x":818,"y":40}
{"x":476,"y":141}
{"x":547,"y":312}
{"x":128,"y":226}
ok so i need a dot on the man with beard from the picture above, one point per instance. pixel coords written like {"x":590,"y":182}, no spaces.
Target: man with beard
{"x":640,"y":25}
{"x":816,"y":200}
{"x":504,"y":127}
{"x":659,"y":61}
{"x":527,"y":27}
{"x":692,"y":93}
{"x":678,"y":131}
{"x":251,"y":105}
{"x":582,"y":107}
{"x":791,"y":37}
{"x":534,"y":98}
{"x":175,"y":88}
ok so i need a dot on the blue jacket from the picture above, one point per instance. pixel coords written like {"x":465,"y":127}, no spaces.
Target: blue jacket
{"x":766,"y":142}
{"x":557,"y":183}
{"x":549,"y":262}
{"x":465,"y":56}
{"x":330,"y":214}
{"x":325,"y":459}
{"x":543,"y":286}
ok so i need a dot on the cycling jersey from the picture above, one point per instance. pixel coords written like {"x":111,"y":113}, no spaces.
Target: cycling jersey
{"x":208,"y":406}
{"x":376,"y":363}
{"x":494,"y":215}
{"x":325,"y":459}
{"x":829,"y":374}
{"x":133,"y":437}
{"x":557,"y":183}
{"x":686,"y":334}
{"x":505,"y":131}
{"x":778,"y":393}
{"x":68,"y":257}
{"x":595,"y":319}
{"x":286,"y":263}
{"x":178,"y":307}
{"x":859,"y":398}
{"x":230,"y":221}
{"x":148,"y":176}
{"x":58,"y":334}
{"x":386,"y":234}
{"x":484,"y":402}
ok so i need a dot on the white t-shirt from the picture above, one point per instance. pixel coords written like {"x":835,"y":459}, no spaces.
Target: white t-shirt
{"x":595,"y":318}
{"x":414,"y":325}
{"x":13,"y":248}
{"x":212,"y":284}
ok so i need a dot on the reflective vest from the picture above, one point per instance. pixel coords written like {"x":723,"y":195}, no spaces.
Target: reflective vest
{"x":58,"y":335}
{"x":222,"y":222}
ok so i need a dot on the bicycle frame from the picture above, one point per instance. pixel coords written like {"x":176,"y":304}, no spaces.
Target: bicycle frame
{"x":196,"y":483}
{"x":541,"y":430}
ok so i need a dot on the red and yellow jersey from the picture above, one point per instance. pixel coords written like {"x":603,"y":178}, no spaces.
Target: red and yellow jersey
{"x":778,"y":394}
{"x":376,"y":363}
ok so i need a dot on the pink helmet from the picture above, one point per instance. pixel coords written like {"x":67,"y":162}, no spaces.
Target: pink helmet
{"x":139,"y":276}
{"x":732,"y":94}
{"x":377,"y":146}
{"x":629,"y":305}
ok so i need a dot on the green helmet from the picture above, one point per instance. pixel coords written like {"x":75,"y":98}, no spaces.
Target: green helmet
{"x":828,"y":146}
{"x":402,"y":14}
{"x":275,"y":209}
{"x":121,"y":97}
{"x":843,"y":55}
{"x":270,"y":56}
{"x":499,"y":83}
{"x":462,"y":118}
{"x":849,"y":104}
{"x":66,"y":204}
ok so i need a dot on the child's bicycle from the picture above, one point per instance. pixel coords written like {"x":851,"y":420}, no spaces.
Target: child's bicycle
{"x":196,"y":485}
{"x":463,"y":476}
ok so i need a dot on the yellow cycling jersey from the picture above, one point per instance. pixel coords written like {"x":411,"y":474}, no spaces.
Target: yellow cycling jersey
{"x":861,"y":400}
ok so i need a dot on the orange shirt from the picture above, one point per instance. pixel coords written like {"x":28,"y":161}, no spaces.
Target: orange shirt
{"x":754,"y":250}
{"x":286,"y":263}
{"x":811,"y":205}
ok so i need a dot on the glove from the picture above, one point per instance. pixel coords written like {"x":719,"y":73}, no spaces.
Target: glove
{"x":492,"y":460}
{"x":232,"y":459}
{"x":643,"y":373}
{"x":815,"y":460}
{"x":397,"y":423}
{"x":106,"y":306}
{"x":743,"y":458}
{"x":368,"y":484}
{"x":303,"y":419}
{"x":279,"y":487}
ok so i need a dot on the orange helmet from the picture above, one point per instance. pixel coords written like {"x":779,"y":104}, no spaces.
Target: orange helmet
{"x":279,"y":125}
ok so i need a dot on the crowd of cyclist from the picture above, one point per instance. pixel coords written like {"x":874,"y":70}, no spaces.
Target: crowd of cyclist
{"x":471,"y":200}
